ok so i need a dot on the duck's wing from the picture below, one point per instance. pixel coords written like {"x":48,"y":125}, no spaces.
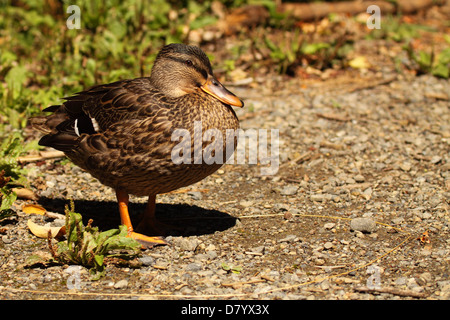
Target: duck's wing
{"x":96,"y":109}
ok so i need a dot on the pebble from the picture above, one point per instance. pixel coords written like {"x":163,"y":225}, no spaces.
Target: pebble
{"x":147,"y":260}
{"x":329,"y":225}
{"x":288,"y":238}
{"x":406,"y":166}
{"x":365,"y":225}
{"x":318,"y":197}
{"x":259,"y":249}
{"x":194,"y":267}
{"x":185,"y":244}
{"x":195,"y":195}
{"x":289,"y":190}
{"x":328,"y":245}
{"x":246,"y":204}
{"x":436,"y":159}
{"x":121,"y":284}
{"x":212,"y":254}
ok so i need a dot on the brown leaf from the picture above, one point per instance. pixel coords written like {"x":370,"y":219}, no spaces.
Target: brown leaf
{"x":24,"y":193}
{"x":33,"y":209}
{"x":43,"y":231}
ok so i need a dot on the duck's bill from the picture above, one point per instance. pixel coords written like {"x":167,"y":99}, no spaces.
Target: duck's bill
{"x":218,"y":91}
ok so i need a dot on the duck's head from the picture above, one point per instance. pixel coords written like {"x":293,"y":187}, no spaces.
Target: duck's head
{"x":181,"y":69}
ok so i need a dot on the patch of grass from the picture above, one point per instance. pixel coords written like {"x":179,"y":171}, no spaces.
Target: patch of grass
{"x":11,"y":147}
{"x":300,"y":51}
{"x":7,"y":197}
{"x":11,"y":173}
{"x":426,"y":61}
{"x":88,"y":247}
{"x":435,"y":63}
{"x":232,"y":269}
{"x":393,"y":28}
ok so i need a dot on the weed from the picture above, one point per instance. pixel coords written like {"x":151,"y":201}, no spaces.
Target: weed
{"x":11,"y":173}
{"x":397,"y":30}
{"x":88,"y":247}
{"x":437,"y":64}
{"x":7,"y":197}
{"x":233,"y":269}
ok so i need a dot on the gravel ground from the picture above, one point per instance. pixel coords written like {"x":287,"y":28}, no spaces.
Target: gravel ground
{"x":363,"y":173}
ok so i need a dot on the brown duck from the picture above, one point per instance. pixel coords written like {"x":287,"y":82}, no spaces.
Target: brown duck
{"x":122,"y":132}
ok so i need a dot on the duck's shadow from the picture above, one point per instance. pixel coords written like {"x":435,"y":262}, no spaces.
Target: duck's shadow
{"x":187,"y":220}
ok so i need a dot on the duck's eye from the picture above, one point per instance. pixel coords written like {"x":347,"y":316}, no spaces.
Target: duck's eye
{"x":188,"y":63}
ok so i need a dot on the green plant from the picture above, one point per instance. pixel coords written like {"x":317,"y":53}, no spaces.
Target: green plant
{"x":393,"y":28}
{"x":11,"y":147}
{"x":233,"y":269}
{"x":294,"y":49}
{"x":437,"y":64}
{"x":7,"y":197}
{"x":11,"y":173}
{"x":88,"y":247}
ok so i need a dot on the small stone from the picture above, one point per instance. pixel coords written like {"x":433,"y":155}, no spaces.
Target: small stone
{"x":212,"y":254}
{"x":359,"y":178}
{"x":325,"y":285}
{"x":246,"y":203}
{"x":147,"y":260}
{"x":426,"y":277}
{"x":366,"y":225}
{"x":194,"y":267}
{"x":329,"y":225}
{"x":401,"y":281}
{"x":122,"y":284}
{"x":328,"y":245}
{"x":185,"y":244}
{"x":318,"y":197}
{"x":436,"y":159}
{"x":195,"y":195}
{"x":350,"y":181}
{"x":319,"y":262}
{"x":405,"y":166}
{"x":289,"y":190}
{"x":259,"y":249}
{"x":50,"y":184}
{"x":6,"y":240}
{"x":288,"y":238}
{"x":398,"y":221}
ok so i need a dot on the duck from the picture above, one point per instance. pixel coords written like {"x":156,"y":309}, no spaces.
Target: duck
{"x":122,"y":133}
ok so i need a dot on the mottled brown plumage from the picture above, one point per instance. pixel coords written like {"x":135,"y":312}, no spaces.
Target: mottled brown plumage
{"x":121,"y":133}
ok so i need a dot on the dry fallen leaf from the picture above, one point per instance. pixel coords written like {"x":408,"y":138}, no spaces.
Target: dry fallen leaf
{"x":24,"y":193}
{"x":359,"y":62}
{"x":33,"y":209}
{"x":43,"y":231}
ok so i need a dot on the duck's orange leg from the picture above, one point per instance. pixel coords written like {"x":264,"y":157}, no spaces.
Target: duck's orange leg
{"x":149,"y":224}
{"x":146,"y":241}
